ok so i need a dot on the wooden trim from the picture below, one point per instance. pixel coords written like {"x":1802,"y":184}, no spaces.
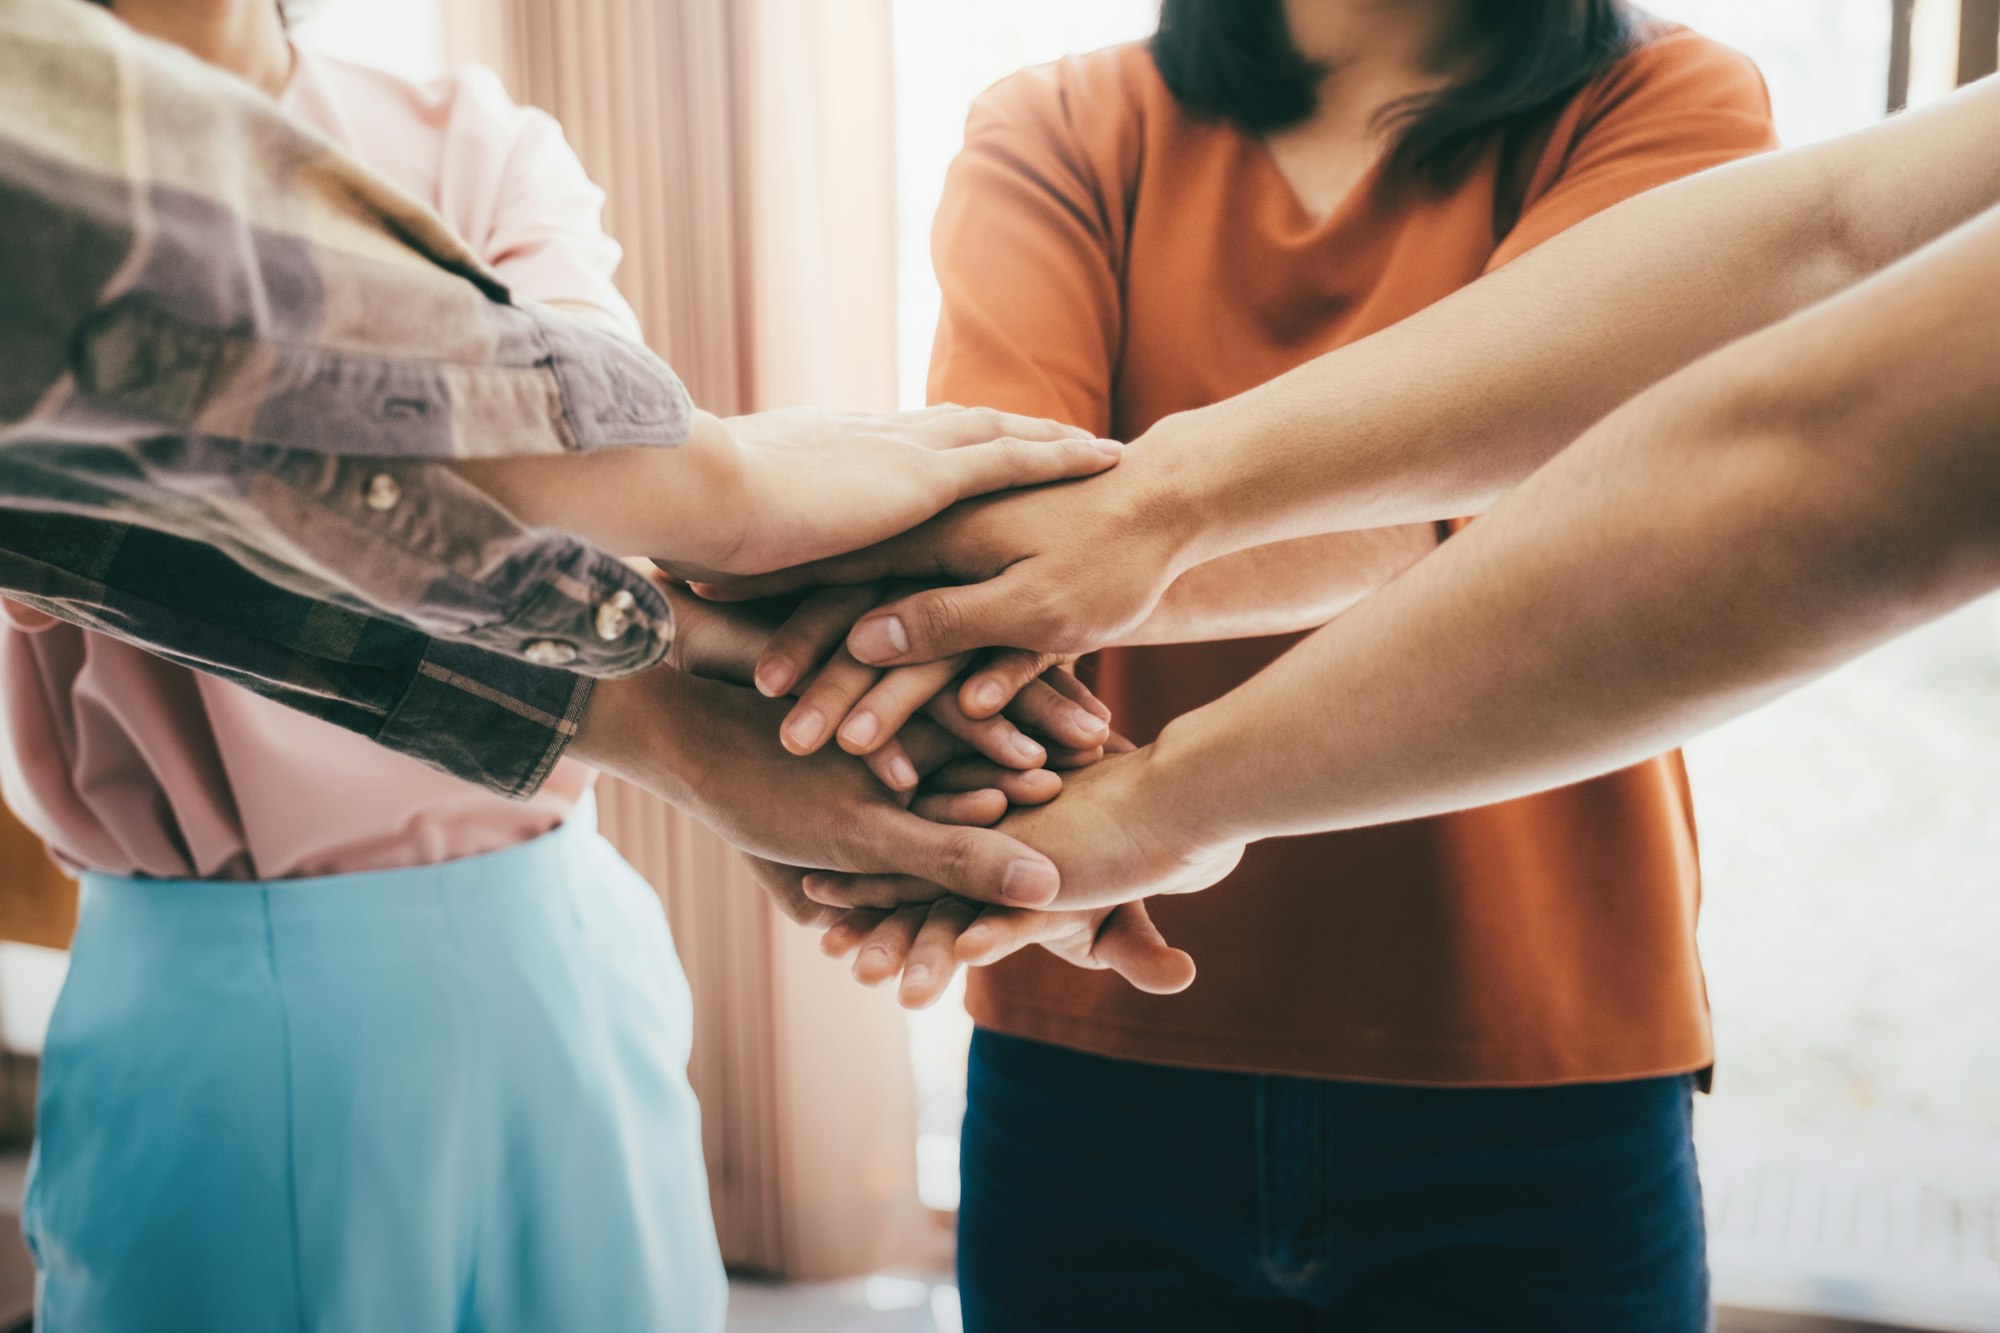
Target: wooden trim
{"x":37,"y":900}
{"x":1978,"y":39}
{"x":1902,"y":14}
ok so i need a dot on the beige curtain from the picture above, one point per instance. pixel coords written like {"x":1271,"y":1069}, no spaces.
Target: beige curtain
{"x":747,"y":150}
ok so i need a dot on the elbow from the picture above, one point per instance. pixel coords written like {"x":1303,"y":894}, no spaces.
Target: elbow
{"x":1840,"y":247}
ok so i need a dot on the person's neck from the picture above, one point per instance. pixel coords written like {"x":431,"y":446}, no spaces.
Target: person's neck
{"x":245,"y":37}
{"x":1376,"y":51}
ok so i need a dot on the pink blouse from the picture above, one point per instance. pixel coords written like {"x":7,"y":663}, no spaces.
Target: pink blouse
{"x":126,"y":764}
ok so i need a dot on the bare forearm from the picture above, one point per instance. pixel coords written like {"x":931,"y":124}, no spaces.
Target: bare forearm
{"x":1766,"y":514}
{"x":683,"y":502}
{"x":1442,"y":413}
{"x":1284,"y":587}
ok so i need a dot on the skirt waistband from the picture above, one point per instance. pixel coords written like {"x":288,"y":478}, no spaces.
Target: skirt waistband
{"x":539,"y":859}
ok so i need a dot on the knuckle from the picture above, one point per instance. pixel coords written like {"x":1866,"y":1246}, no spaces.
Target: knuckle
{"x":852,"y":846}
{"x":938,"y":619}
{"x":957,"y":853}
{"x":1018,"y":667}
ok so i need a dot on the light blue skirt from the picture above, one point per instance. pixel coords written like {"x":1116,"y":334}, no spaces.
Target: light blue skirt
{"x":415,"y":1101}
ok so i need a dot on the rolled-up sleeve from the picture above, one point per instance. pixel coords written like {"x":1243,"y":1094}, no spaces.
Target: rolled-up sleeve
{"x":228,"y":345}
{"x":488,"y":718}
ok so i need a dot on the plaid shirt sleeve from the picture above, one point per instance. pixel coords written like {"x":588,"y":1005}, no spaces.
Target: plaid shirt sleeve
{"x":234,"y":362}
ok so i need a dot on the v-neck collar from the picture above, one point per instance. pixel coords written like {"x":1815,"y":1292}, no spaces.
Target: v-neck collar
{"x":1300,"y":218}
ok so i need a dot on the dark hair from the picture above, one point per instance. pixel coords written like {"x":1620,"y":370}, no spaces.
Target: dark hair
{"x":1235,"y":60}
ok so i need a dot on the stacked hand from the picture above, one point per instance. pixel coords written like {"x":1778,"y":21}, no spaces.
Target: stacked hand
{"x":1113,"y":841}
{"x":1053,"y":569}
{"x":950,"y":770}
{"x":893,"y":775}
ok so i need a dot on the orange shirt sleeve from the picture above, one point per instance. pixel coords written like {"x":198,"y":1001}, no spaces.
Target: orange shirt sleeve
{"x":1024,"y":244}
{"x":1678,"y":105}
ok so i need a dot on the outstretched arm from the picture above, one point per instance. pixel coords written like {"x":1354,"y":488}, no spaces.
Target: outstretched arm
{"x":771,"y":490}
{"x":1753,"y":521}
{"x":1774,"y":510}
{"x":1438,"y":415}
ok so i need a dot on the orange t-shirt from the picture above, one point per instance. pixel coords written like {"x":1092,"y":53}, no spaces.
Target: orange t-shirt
{"x":1108,"y":259}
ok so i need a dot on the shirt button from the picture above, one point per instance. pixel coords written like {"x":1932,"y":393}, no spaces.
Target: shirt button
{"x":550,"y":652}
{"x":384,"y":492}
{"x":614,"y":615}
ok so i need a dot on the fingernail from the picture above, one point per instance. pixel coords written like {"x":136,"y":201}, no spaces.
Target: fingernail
{"x":879,"y":639}
{"x":989,"y":696}
{"x":902,"y":774}
{"x":774,"y":678}
{"x":806,"y":729}
{"x":973,"y":940}
{"x":1029,"y":881}
{"x":1026,"y":750}
{"x":916,"y":974}
{"x":860,"y":730}
{"x":1089,"y":723}
{"x":1112,"y":447}
{"x":815,"y":885}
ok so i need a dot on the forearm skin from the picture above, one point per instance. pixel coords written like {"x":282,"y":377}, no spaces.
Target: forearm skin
{"x":1442,"y":413}
{"x":1753,"y":521}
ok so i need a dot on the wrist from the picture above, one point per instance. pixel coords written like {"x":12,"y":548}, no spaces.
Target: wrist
{"x":1191,"y":767}
{"x":631,"y":729}
{"x":1162,"y":494}
{"x":709,"y":503}
{"x":1195,"y":487}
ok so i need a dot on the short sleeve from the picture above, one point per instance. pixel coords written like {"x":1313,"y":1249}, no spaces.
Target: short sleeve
{"x":1677,"y":105}
{"x":1025,"y":244}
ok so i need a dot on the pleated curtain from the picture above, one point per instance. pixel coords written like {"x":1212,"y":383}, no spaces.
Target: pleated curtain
{"x":747,"y":150}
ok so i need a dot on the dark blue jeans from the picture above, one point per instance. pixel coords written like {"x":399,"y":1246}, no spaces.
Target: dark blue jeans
{"x":1104,"y":1195}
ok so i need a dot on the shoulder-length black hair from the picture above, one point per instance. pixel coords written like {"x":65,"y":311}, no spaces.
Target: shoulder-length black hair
{"x":1235,"y":59}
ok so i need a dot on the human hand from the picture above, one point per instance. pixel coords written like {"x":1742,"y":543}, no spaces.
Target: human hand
{"x":1059,"y":569}
{"x":766,"y":492}
{"x":808,"y":483}
{"x":708,"y":748}
{"x":723,"y":646}
{"x":725,"y":641}
{"x":959,"y":788}
{"x":863,"y":707}
{"x":924,"y":944}
{"x":1122,"y":831}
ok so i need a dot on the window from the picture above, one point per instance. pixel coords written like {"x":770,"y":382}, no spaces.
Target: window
{"x":1849,"y":924}
{"x":405,"y":37}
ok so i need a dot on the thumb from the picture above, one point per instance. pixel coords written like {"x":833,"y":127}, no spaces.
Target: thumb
{"x":944,"y":622}
{"x":1009,"y":463}
{"x":982,"y":864}
{"x":1132,"y":946}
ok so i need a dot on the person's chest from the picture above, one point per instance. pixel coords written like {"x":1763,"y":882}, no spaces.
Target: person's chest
{"x":1228,"y":281}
